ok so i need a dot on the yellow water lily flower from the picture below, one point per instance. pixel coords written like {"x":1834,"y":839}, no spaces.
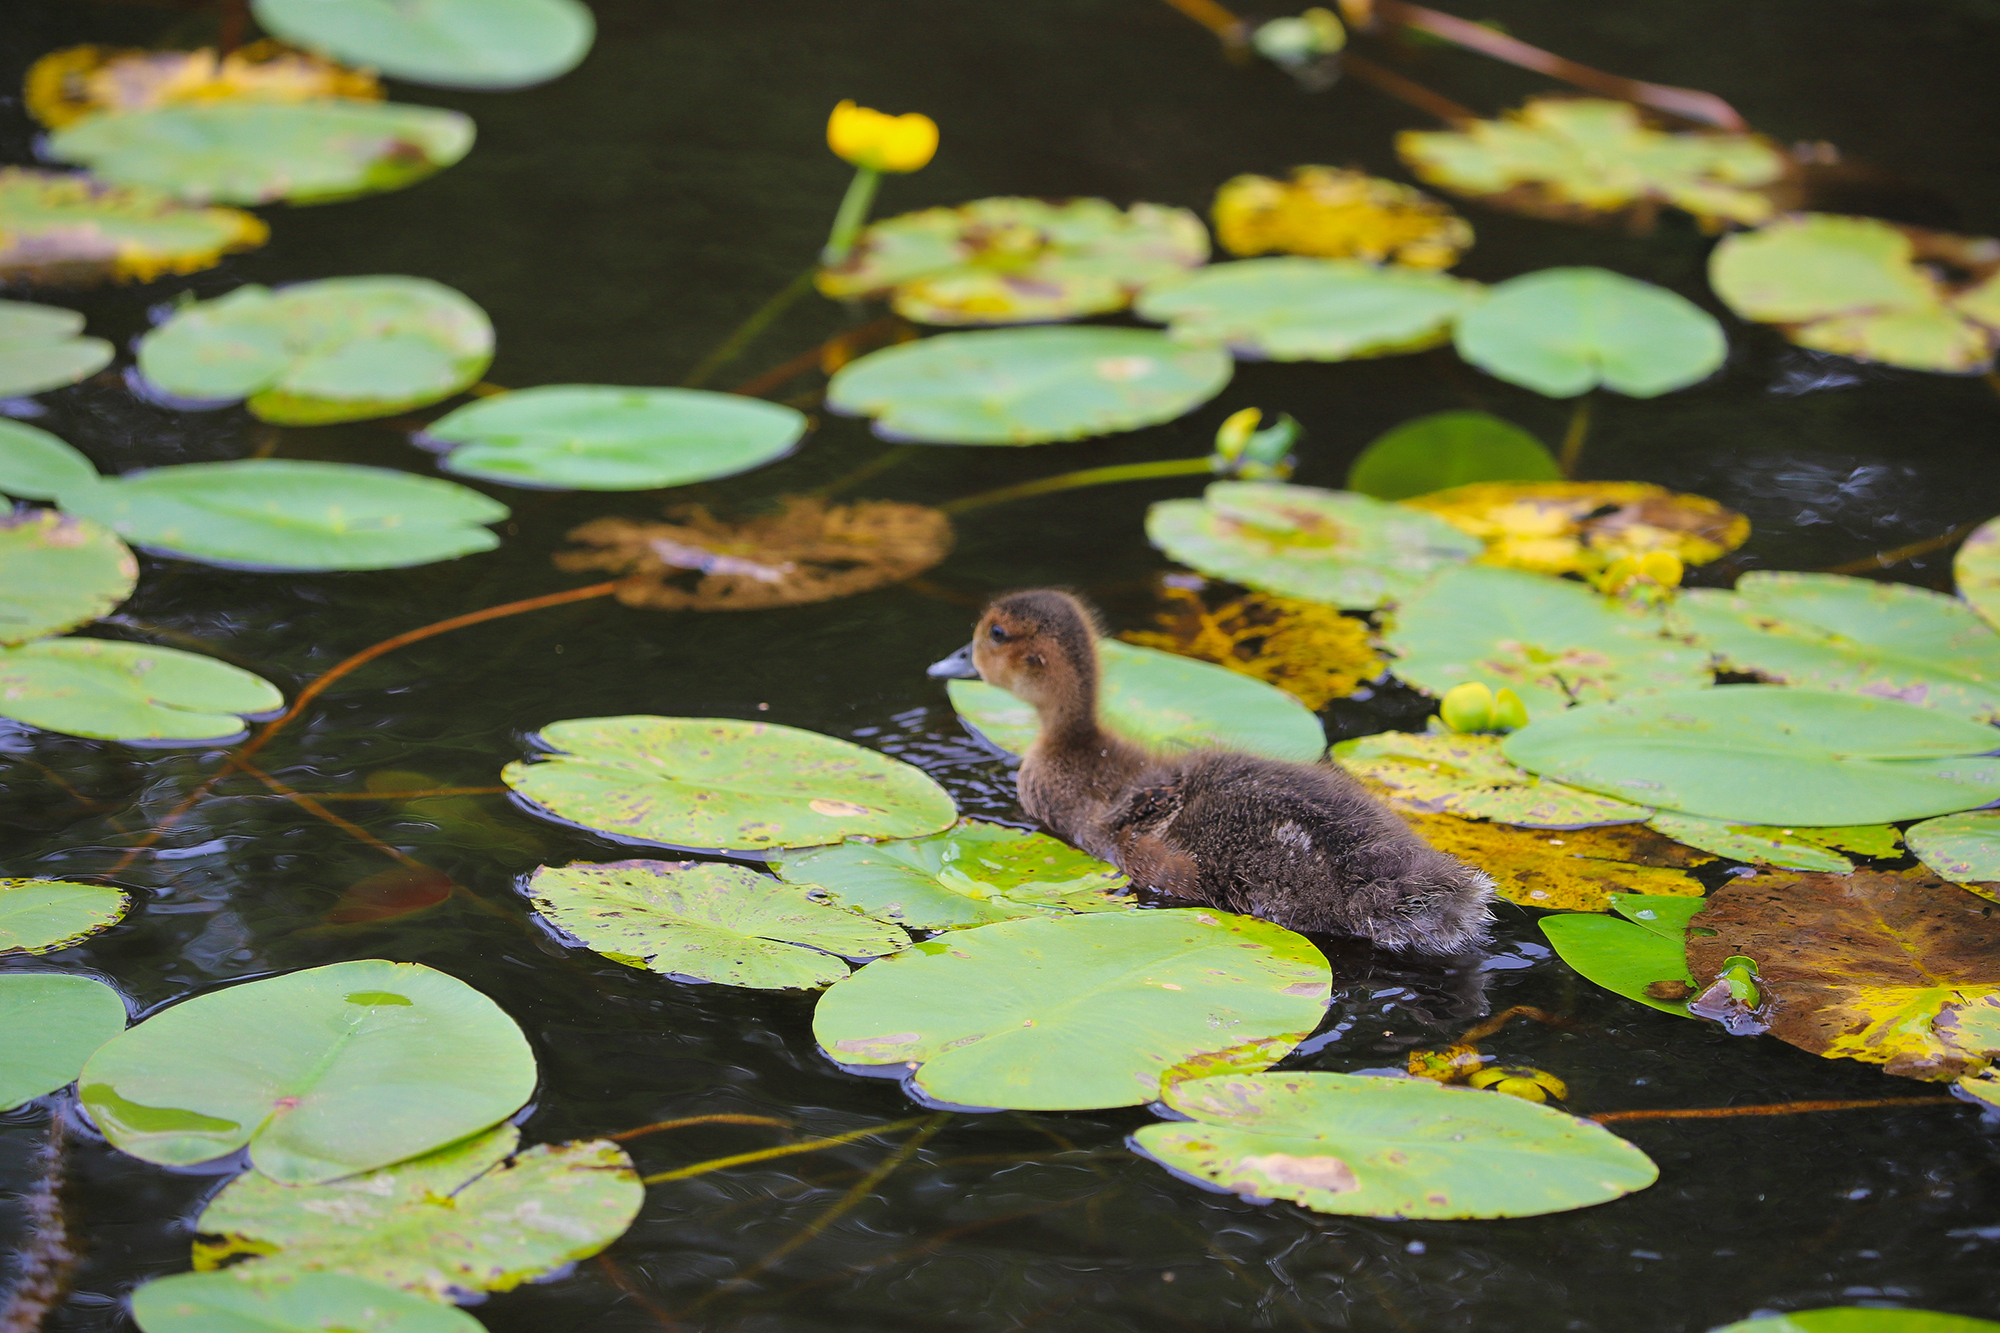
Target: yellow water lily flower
{"x":877,"y":141}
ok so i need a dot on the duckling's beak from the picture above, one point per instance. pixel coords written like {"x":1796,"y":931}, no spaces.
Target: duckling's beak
{"x":956,"y":667}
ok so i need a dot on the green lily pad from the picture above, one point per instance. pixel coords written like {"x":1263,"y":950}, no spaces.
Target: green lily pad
{"x":254,"y":152}
{"x":1337,"y":547}
{"x":1467,"y":776}
{"x":1646,"y":948}
{"x":475,"y":1216}
{"x":1768,"y":754}
{"x":309,"y":1303}
{"x":452,"y":43}
{"x":1964,"y":849}
{"x":1390,"y":1147}
{"x":1077,"y":1012}
{"x":598,"y":437}
{"x":1976,"y":568}
{"x":1860,"y":636}
{"x":43,"y":915}
{"x":63,"y":226}
{"x":1165,"y":702}
{"x":322,"y":1073}
{"x":340,"y":349}
{"x":1027,"y":386}
{"x":1565,"y":331}
{"x":260,"y":513}
{"x":40,"y":348}
{"x":1294,"y":308}
{"x":1013,"y":261}
{"x":1550,"y":640}
{"x":970,"y":875}
{"x":1794,"y":849}
{"x":57,"y":572}
{"x":1447,"y":449}
{"x":708,"y":921}
{"x":117,"y":691}
{"x":1861,"y":1319}
{"x":50,"y":1023}
{"x":716,"y":783}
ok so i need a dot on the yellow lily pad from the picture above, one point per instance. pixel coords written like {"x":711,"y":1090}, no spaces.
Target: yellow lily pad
{"x":60,"y":226}
{"x":79,"y":81}
{"x":1569,"y":527}
{"x":1307,"y":649}
{"x":1337,"y":214}
{"x":1567,"y":870}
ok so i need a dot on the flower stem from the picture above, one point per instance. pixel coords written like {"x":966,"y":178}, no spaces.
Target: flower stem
{"x":758,"y":320}
{"x":1572,"y":446}
{"x":851,"y":217}
{"x":1070,"y":481}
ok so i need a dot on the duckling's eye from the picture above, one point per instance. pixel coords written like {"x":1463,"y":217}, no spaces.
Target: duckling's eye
{"x":999,"y":635}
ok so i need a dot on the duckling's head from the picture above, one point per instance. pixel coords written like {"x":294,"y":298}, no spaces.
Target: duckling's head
{"x":1040,"y":646}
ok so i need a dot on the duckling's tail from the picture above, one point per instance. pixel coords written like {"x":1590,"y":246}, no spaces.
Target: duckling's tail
{"x":1441,"y":906}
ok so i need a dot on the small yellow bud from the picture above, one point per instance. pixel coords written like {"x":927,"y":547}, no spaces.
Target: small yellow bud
{"x":881,"y":142}
{"x":1532,"y":1085}
{"x":1235,"y":431}
{"x":1468,"y":707}
{"x":1509,"y":713}
{"x":1662,"y":567}
{"x":1617,"y":574}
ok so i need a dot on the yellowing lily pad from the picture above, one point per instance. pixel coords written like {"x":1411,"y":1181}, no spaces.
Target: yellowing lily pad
{"x":58,"y":572}
{"x":1335,"y":214}
{"x":43,"y":915}
{"x":1976,"y":568}
{"x":1862,"y":1319}
{"x":1792,"y":848}
{"x":1468,"y":776}
{"x":1579,"y":527}
{"x":1014,"y":261}
{"x":1309,"y":650}
{"x":1565,"y":331}
{"x":1297,"y":309}
{"x":1964,"y":849}
{"x":79,"y":81}
{"x":60,"y":227}
{"x":1563,"y":870}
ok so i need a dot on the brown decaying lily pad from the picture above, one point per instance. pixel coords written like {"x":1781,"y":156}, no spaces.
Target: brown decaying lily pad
{"x":1857,"y":966}
{"x":808,"y":551}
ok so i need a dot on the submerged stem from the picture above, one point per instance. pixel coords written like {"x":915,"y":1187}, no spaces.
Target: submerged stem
{"x":882,"y":462}
{"x":1896,"y":556}
{"x":1573,"y":438}
{"x":1071,"y":481}
{"x":720,"y":1118}
{"x":758,"y":320}
{"x":1776,"y":1108}
{"x":782,"y":1150}
{"x":851,"y":216}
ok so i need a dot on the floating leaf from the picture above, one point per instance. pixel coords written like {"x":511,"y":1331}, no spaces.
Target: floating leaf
{"x":1642,"y":957}
{"x":40,"y":349}
{"x":1027,"y":386}
{"x":1795,"y":849}
{"x":969,"y":875}
{"x":340,"y":349}
{"x":1857,"y":966}
{"x":1336,"y":547}
{"x":79,"y":81}
{"x":453,"y":43}
{"x":1164,"y":702}
{"x":1976,"y":568}
{"x":714,"y":782}
{"x":1389,"y":1147}
{"x":1337,"y":214}
{"x":1552,"y":641}
{"x":1466,"y":775}
{"x":260,"y":513}
{"x":1860,"y":636}
{"x":599,"y":437}
{"x":322,"y":1072}
{"x":258,"y":153}
{"x":1307,"y":649}
{"x":58,"y":572}
{"x":1579,"y":527}
{"x":1576,"y":158}
{"x":66,"y":227}
{"x":309,"y":1303}
{"x":1856,"y":286}
{"x":475,"y":1216}
{"x":50,"y":1023}
{"x":1308,"y":309}
{"x":1011,"y":261}
{"x":1565,"y":331}
{"x":1767,"y":754}
{"x":712,"y":922}
{"x":1964,"y":849}
{"x":1077,"y":1012}
{"x":1447,"y":449}
{"x":808,"y":551}
{"x":1972,"y":1027}
{"x":1861,"y":1319}
{"x":1568,"y":870}
{"x":43,"y":915}
{"x":117,"y":691}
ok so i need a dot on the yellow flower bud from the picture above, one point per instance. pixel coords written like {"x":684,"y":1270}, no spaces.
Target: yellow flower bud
{"x":1468,"y":707}
{"x":1533,"y":1085}
{"x":1617,"y":574}
{"x":881,"y":142}
{"x":1662,"y":567}
{"x":1235,"y":431}
{"x":1509,"y":713}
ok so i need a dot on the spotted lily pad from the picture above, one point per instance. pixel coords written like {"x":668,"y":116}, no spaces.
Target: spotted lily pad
{"x":714,"y":782}
{"x":1579,"y":527}
{"x":340,"y":349}
{"x":1027,"y":386}
{"x":1446,"y":449}
{"x":708,"y":921}
{"x":1795,"y":849}
{"x":1078,"y":1012}
{"x":1012,"y":261}
{"x":40,"y":348}
{"x":309,"y":1303}
{"x":118,"y":691}
{"x":1337,"y":214}
{"x":50,"y":1022}
{"x":1337,"y":547}
{"x":65,"y":226}
{"x":322,"y":1073}
{"x":478,"y":1215}
{"x":1550,"y":640}
{"x":1566,"y":331}
{"x":1767,"y":754}
{"x":1467,"y":775}
{"x":1165,"y":702}
{"x":1964,"y":849}
{"x":599,"y":437}
{"x":1298,"y":309}
{"x":247,"y":152}
{"x":76,"y":82}
{"x":1389,"y":1147}
{"x":1976,"y":568}
{"x":58,"y":572}
{"x":970,"y":875}
{"x":1641,"y":953}
{"x":43,"y":915}
{"x":455,"y":43}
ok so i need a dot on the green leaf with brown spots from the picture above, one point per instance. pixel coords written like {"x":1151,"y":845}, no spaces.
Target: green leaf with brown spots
{"x":58,"y":572}
{"x":1468,"y":776}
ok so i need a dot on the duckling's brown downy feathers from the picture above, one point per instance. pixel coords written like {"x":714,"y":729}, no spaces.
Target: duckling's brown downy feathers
{"x":1304,"y":845}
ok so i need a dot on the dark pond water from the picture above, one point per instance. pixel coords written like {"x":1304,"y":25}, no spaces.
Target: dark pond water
{"x":615,"y":225}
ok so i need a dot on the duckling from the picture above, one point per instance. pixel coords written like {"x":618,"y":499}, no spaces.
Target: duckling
{"x":1303,"y":845}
